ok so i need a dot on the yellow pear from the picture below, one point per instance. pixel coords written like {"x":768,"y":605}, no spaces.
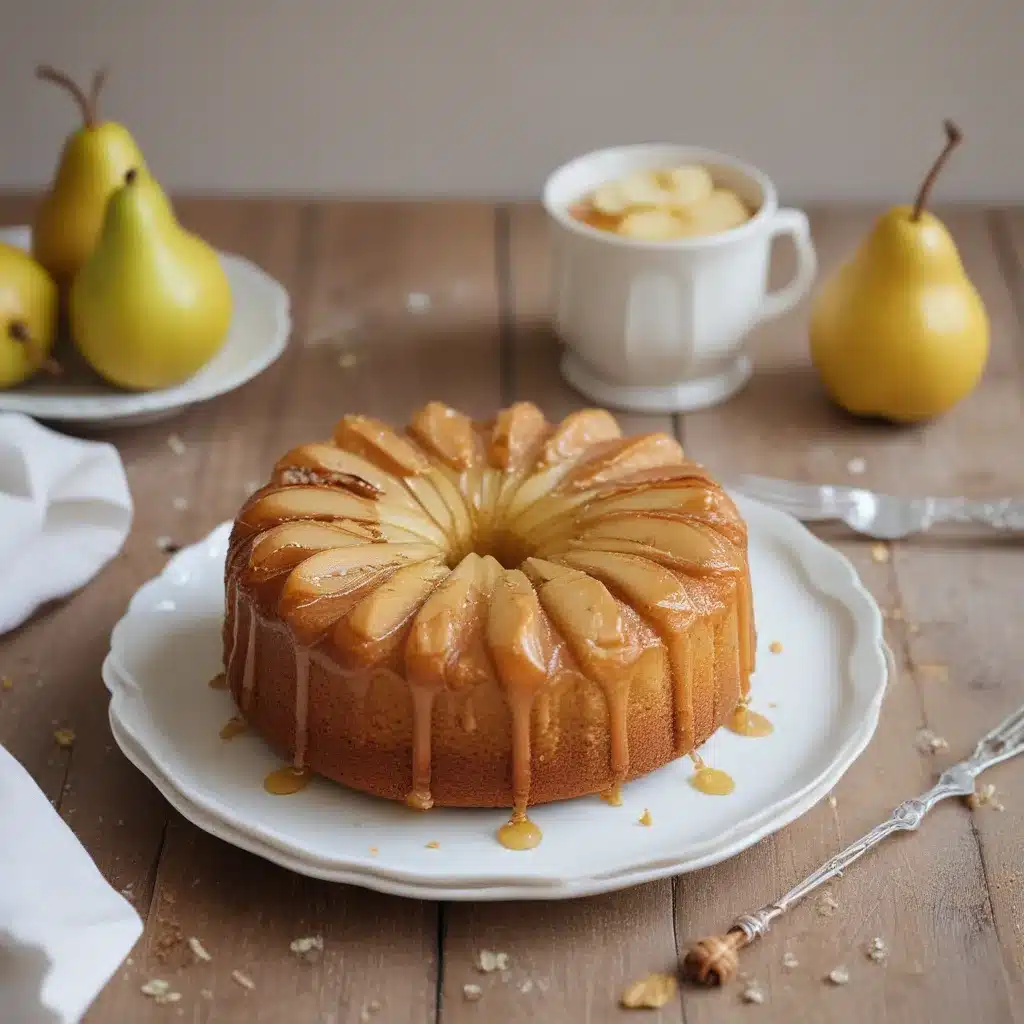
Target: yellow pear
{"x":152,"y":304}
{"x":899,"y":332}
{"x":92,"y":164}
{"x":28,"y":316}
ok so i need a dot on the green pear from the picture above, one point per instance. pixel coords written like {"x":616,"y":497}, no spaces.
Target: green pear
{"x":92,"y":164}
{"x":152,"y":304}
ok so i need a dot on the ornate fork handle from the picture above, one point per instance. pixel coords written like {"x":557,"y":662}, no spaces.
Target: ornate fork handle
{"x":714,"y":960}
{"x":1002,"y":514}
{"x":955,"y":781}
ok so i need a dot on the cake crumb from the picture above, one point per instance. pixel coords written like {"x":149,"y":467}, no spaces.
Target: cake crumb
{"x":985,"y":796}
{"x":650,"y":993}
{"x":168,"y":545}
{"x":772,"y":704}
{"x":374,"y":851}
{"x":877,"y":950}
{"x":155,"y":987}
{"x":308,"y":948}
{"x":206,"y":993}
{"x":471,"y":993}
{"x":525,"y":986}
{"x":488,"y":961}
{"x":832,"y":801}
{"x":243,"y":979}
{"x":348,"y":360}
{"x":789,"y":960}
{"x":880,"y":552}
{"x":927,"y":742}
{"x":839,"y":975}
{"x":175,"y":443}
{"x":64,"y":738}
{"x":179,"y":504}
{"x":6,"y":683}
{"x":433,"y":845}
{"x":856,"y":466}
{"x":199,"y":951}
{"x":752,"y":993}
{"x":645,"y":818}
{"x":417,"y":302}
{"x":775,"y":647}
{"x":827,"y":904}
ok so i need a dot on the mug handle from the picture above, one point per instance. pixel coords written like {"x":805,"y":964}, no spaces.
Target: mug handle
{"x":793,"y":223}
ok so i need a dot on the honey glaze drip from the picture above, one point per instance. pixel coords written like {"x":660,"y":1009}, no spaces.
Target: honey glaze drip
{"x":613,"y":796}
{"x":520,"y":833}
{"x":301,"y":706}
{"x":249,"y":672}
{"x":233,"y":727}
{"x":745,"y":722}
{"x":287,"y":780}
{"x":419,"y":798}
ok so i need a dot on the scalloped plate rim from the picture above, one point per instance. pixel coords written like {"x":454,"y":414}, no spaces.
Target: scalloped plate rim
{"x":808,"y":548}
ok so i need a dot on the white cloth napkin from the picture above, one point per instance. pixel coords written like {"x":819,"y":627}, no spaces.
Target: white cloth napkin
{"x":63,"y":929}
{"x":65,"y":511}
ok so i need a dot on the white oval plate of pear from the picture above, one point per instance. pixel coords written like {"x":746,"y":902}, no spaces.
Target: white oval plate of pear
{"x":157,"y":320}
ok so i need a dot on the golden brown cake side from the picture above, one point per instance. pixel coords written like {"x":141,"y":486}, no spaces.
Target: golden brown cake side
{"x":478,"y":614}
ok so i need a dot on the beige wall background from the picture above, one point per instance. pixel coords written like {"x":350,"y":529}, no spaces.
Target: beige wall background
{"x":836,"y":99}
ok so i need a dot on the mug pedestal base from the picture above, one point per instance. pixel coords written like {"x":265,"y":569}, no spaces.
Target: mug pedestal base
{"x":686,"y":396}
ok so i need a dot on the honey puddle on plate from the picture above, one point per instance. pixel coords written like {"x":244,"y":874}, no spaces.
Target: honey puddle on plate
{"x":745,"y":722}
{"x":233,"y":727}
{"x":287,"y":780}
{"x":519,"y":834}
{"x":711,"y":781}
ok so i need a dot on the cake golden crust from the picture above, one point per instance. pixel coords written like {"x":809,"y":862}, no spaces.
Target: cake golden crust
{"x":485,"y":614}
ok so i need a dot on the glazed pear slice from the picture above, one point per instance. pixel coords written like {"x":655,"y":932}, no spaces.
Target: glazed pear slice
{"x":519,"y":635}
{"x":585,"y":614}
{"x":449,"y":434}
{"x":619,"y":459}
{"x":328,"y":504}
{"x":378,"y":443}
{"x":516,"y":436}
{"x":306,"y":502}
{"x":441,"y":629}
{"x":329,"y":459}
{"x":474,"y":665}
{"x":282,"y":547}
{"x":679,"y":542}
{"x":373,"y":630}
{"x":326,"y":585}
{"x":576,"y":433}
{"x":665,"y":601}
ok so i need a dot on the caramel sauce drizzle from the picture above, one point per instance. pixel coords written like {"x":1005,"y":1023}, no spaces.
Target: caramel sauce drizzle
{"x":514,"y":444}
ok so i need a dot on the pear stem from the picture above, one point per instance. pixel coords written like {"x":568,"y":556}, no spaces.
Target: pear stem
{"x":88,"y":104}
{"x":953,"y":139}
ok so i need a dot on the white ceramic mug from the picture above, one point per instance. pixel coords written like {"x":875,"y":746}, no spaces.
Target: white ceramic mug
{"x":661,"y":326}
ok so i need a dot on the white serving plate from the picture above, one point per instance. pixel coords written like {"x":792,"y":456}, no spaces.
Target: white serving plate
{"x":258,"y":334}
{"x":827,"y":687}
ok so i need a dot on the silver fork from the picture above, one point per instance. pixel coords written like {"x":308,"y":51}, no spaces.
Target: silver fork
{"x":879,"y":515}
{"x":714,"y":960}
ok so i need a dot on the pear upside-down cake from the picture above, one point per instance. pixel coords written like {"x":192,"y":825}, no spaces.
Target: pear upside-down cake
{"x":485,"y":614}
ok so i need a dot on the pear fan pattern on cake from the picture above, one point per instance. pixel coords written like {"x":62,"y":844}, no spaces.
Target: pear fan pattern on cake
{"x":514,"y":553}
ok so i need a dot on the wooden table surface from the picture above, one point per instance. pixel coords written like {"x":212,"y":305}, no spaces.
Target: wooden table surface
{"x":948,"y":901}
